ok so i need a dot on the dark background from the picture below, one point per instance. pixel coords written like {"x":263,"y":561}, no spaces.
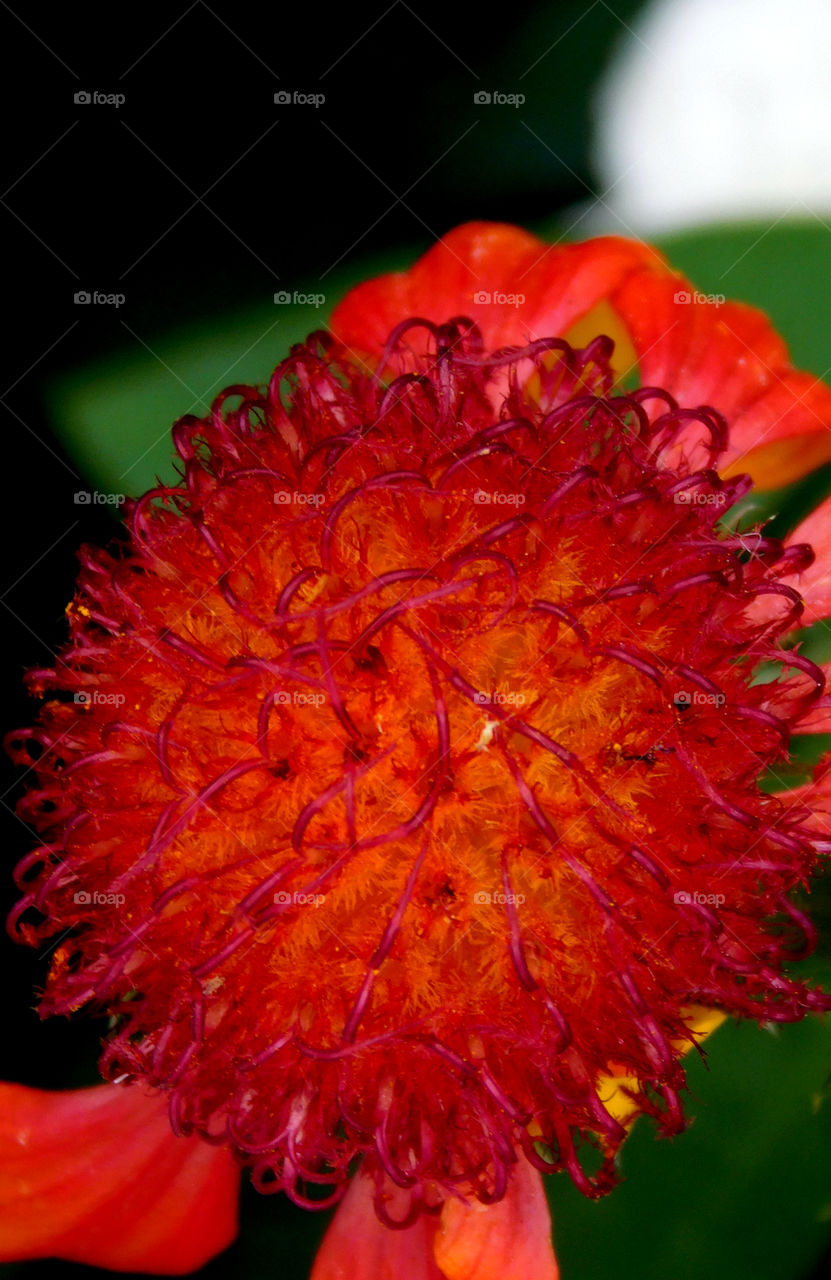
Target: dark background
{"x":197,"y":196}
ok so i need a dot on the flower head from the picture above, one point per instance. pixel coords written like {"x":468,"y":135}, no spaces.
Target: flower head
{"x":399,"y":781}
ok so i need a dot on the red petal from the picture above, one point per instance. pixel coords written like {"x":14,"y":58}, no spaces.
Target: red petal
{"x":815,"y":582}
{"x":816,"y":796}
{"x":550,"y":286}
{"x":479,"y":256}
{"x":510,"y":1240}
{"x":571,"y":280}
{"x":818,"y":718}
{"x":730,"y":357}
{"x":97,"y":1176}
{"x":727,"y":356}
{"x":358,"y":1246}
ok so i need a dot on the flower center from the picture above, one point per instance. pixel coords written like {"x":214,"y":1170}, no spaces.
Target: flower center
{"x":431,"y":797}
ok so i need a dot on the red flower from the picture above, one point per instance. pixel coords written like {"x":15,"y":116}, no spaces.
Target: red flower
{"x":399,"y":782}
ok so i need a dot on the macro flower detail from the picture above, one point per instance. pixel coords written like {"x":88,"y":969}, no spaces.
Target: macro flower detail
{"x":399,"y":783}
{"x":93,"y":1176}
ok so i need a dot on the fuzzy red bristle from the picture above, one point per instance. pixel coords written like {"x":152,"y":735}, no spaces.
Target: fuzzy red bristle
{"x":413,"y":791}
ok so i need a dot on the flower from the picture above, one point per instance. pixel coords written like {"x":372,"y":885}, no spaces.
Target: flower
{"x":398,"y":784}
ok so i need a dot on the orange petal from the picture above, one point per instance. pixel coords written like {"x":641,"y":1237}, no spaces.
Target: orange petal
{"x":358,"y":1246}
{"x":510,"y":1240}
{"x":97,"y":1176}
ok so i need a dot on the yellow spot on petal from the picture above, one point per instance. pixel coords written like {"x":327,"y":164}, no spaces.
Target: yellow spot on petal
{"x":612,"y":1090}
{"x":781,"y":462}
{"x":604,"y":319}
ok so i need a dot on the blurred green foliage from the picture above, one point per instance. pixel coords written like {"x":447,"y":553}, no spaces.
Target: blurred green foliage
{"x":744,"y":1193}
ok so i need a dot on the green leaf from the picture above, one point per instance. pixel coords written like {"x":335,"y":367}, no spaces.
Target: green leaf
{"x":783,"y":269}
{"x":114,"y":416}
{"x":745,"y":1193}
